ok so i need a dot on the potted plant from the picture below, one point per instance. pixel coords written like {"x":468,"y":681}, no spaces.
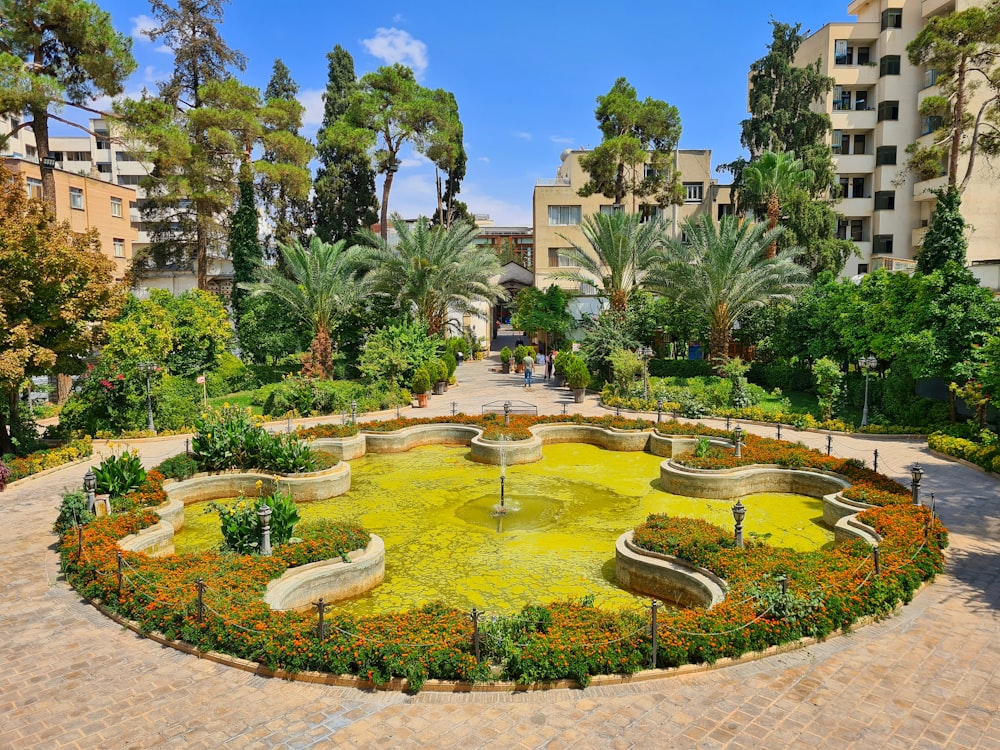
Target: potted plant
{"x":421,"y":385}
{"x":438,"y":371}
{"x":505,"y":355}
{"x":577,"y":377}
{"x":451,"y":364}
{"x":520,"y":352}
{"x":559,"y":367}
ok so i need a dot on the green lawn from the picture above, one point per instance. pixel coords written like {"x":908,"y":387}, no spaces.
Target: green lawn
{"x":240,"y":398}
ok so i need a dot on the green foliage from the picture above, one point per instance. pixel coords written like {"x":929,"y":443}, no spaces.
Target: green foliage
{"x":505,"y":355}
{"x":625,"y":367}
{"x":632,"y":134}
{"x":244,"y":244}
{"x":421,"y":380}
{"x":241,"y":526}
{"x":306,"y":396}
{"x":945,"y":239}
{"x":546,"y":313}
{"x":683,"y":368}
{"x":393,"y":353}
{"x":521,"y":351}
{"x":577,"y":374}
{"x":119,"y":474}
{"x":266,"y":332}
{"x":702,"y":448}
{"x":181,"y":466}
{"x":106,"y":400}
{"x":450,"y":363}
{"x":230,"y":438}
{"x":828,"y":384}
{"x":72,"y":512}
{"x":741,"y":396}
{"x":176,"y":403}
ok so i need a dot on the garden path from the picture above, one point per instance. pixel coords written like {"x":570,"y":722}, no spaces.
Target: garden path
{"x":928,"y":677}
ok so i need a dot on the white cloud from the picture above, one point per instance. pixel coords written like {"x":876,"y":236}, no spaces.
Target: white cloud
{"x":415,"y":160}
{"x":142,"y":24}
{"x":150,"y":74}
{"x":397,"y":46}
{"x":560,"y":139}
{"x":398,"y":18}
{"x":484,"y":159}
{"x":523,"y":135}
{"x":164,"y":50}
{"x":312,"y":100}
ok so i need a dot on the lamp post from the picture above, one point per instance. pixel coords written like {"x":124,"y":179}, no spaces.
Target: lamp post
{"x":645,"y":352}
{"x":354,"y":412}
{"x":148,"y":367}
{"x":659,"y":409}
{"x":738,"y":439}
{"x":866,"y":364}
{"x":739,"y":513}
{"x":916,"y":473}
{"x":265,"y":528}
{"x":506,"y":413}
{"x":90,"y":487}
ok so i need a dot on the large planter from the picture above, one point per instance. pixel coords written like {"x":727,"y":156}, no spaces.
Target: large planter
{"x":422,"y":400}
{"x":560,"y":380}
{"x":439,"y":388}
{"x":578,"y":394}
{"x":505,"y":367}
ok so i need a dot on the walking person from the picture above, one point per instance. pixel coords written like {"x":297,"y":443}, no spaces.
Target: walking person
{"x":529,"y":363}
{"x":549,"y":360}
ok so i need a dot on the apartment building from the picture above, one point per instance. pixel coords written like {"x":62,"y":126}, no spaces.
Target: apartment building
{"x":87,"y":203}
{"x":558,"y":209}
{"x":874,"y":109}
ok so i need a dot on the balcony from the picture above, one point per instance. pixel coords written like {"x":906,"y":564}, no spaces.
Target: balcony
{"x":856,"y":75}
{"x":854,"y":207}
{"x":855,"y":163}
{"x":857,"y":119}
{"x":922,"y":190}
{"x":553,"y":182}
{"x":933,"y":7}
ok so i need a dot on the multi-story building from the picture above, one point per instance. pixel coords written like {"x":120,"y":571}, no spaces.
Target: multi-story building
{"x":874,"y":108}
{"x":558,"y":209}
{"x":515,"y":244}
{"x":87,"y":203}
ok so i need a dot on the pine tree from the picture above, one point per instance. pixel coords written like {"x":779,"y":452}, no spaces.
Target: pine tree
{"x":945,"y":239}
{"x":344,"y":191}
{"x":244,"y":245}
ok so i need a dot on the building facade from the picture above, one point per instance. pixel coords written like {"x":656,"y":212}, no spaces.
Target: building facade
{"x":874,"y":109}
{"x":558,"y":209}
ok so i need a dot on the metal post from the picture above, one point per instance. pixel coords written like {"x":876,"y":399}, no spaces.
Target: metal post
{"x":659,"y":410}
{"x":739,"y":513}
{"x":354,"y":412}
{"x":916,"y":474}
{"x":79,"y":540}
{"x":878,"y":563}
{"x":200,"y":584}
{"x":779,"y":430}
{"x":738,"y":439}
{"x":288,"y":423}
{"x":564,"y":407}
{"x":829,"y":444}
{"x":875,"y":464}
{"x":475,"y":634}
{"x":653,"y":606}
{"x":727,"y":423}
{"x":932,"y":505}
{"x":147,"y":366}
{"x":90,"y":487}
{"x":618,"y":410}
{"x":121,"y":575}
{"x":783,"y":580}
{"x":506,"y":413}
{"x":454,"y":408}
{"x":187,"y":446}
{"x":264,"y":512}
{"x":321,"y":626}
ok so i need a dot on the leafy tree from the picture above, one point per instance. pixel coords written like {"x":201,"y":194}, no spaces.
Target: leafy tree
{"x":828,"y":384}
{"x":54,"y":53}
{"x":543,"y":312}
{"x":317,"y":286}
{"x":56,"y":292}
{"x":266,"y":333}
{"x":284,"y":167}
{"x":770,"y":179}
{"x":344,"y":191}
{"x":623,"y":250}
{"x":446,"y":149}
{"x":392,"y":354}
{"x":634,"y":133}
{"x":945,"y":239}
{"x":192,"y":184}
{"x":429,"y":272}
{"x":964,"y":49}
{"x":244,"y":246}
{"x":388,"y":111}
{"x":722,"y":274}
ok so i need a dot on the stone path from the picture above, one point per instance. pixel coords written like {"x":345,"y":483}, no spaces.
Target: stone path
{"x":926,"y":678}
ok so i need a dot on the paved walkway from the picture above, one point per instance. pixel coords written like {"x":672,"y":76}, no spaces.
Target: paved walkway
{"x":928,"y":677}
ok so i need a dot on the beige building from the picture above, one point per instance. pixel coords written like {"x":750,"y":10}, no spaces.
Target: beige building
{"x":87,"y":203}
{"x":874,"y":111}
{"x":558,"y":209}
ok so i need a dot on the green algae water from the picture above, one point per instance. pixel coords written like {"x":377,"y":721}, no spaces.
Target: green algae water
{"x":435,"y":509}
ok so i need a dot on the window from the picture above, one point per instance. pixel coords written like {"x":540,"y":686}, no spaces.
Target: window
{"x":851,"y":229}
{"x":650,"y":172}
{"x":558,"y":258}
{"x":888,"y":111}
{"x":76,"y":198}
{"x":842,"y":54}
{"x":852,"y":187}
{"x":841,"y":142}
{"x":129,"y":179}
{"x":885,"y":200}
{"x":649,"y":211}
{"x":930,"y":123}
{"x":564,"y":215}
{"x":882,"y":244}
{"x":116,"y":207}
{"x":930,"y":78}
{"x":862,"y":268}
{"x":34,"y":188}
{"x":726,"y":209}
{"x":860,"y":144}
{"x":119,"y":247}
{"x":888,"y":66}
{"x":885,"y":155}
{"x":864,"y":55}
{"x":892,"y":18}
{"x":694,"y":192}
{"x":861,"y":100}
{"x":124,"y":156}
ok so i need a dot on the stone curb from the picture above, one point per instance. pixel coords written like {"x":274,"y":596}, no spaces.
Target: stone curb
{"x":956,"y":459}
{"x":53,"y":470}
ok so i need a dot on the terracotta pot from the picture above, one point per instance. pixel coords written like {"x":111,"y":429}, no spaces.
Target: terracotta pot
{"x":421,"y":400}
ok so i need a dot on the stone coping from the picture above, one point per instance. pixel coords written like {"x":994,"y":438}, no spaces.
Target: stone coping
{"x":332,"y":580}
{"x":666,"y":577}
{"x":316,"y":485}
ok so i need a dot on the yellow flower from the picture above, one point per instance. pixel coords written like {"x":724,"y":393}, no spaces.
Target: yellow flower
{"x":204,"y":415}
{"x":210,"y":436}
{"x":225,"y":405}
{"x":258,"y":484}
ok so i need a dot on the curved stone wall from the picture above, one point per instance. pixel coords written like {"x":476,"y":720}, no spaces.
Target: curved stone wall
{"x":331,"y":580}
{"x":345,"y":449}
{"x":399,"y":441}
{"x":731,"y":484}
{"x":155,"y":541}
{"x":316,"y":485}
{"x":664,"y":577}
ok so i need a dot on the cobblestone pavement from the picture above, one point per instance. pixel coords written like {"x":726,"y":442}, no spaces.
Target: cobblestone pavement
{"x":925,"y":678}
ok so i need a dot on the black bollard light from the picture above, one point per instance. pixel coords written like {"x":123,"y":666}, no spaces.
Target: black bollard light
{"x":739,"y":513}
{"x":916,"y":474}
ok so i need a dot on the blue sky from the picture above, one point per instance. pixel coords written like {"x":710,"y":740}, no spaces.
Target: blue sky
{"x":525,"y":74}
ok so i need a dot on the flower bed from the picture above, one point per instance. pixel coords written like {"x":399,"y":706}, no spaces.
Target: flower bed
{"x":48,"y":459}
{"x":828,"y":590}
{"x":984,"y":456}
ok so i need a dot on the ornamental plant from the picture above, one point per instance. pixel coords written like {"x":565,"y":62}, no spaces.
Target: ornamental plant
{"x":232,"y":438}
{"x":505,"y":355}
{"x":421,"y":381}
{"x":241,"y":520}
{"x":119,"y":474}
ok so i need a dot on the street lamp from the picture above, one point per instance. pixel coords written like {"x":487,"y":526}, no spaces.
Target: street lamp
{"x":739,"y":513}
{"x":148,"y":367}
{"x":659,"y":409}
{"x":264,"y":511}
{"x":866,"y":364}
{"x":90,"y":487}
{"x":646,"y":353}
{"x":916,"y":473}
{"x":738,"y":439}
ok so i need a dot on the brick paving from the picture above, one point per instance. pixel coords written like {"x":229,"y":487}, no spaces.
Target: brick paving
{"x":928,"y":677}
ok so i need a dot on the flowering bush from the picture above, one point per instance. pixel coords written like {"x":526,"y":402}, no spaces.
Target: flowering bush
{"x":119,"y":473}
{"x":48,"y":459}
{"x":232,"y":438}
{"x":981,"y":454}
{"x":241,"y":527}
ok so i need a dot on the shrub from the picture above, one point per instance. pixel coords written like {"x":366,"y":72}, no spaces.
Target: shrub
{"x":231,"y":375}
{"x":577,"y":374}
{"x":450,"y":362}
{"x":180,"y":466}
{"x":119,"y":474}
{"x":72,"y":512}
{"x":787,"y":377}
{"x":241,"y":521}
{"x":48,"y":459}
{"x":828,"y":384}
{"x":421,"y":381}
{"x":682,"y":368}
{"x":505,"y":355}
{"x":230,"y":438}
{"x":175,"y":403}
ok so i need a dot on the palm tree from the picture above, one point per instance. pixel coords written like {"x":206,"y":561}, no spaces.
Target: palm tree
{"x":317,"y":284}
{"x":769,"y":179}
{"x":429,"y":271}
{"x":722,"y":273}
{"x":623,"y":248}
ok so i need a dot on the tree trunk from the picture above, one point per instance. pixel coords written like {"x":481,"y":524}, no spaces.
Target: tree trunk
{"x":40,"y":127}
{"x":386,"y":187}
{"x":440,"y":201}
{"x":958,"y":122}
{"x":718,"y":348}
{"x":64,"y":384}
{"x":201,"y":254}
{"x":6,"y":444}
